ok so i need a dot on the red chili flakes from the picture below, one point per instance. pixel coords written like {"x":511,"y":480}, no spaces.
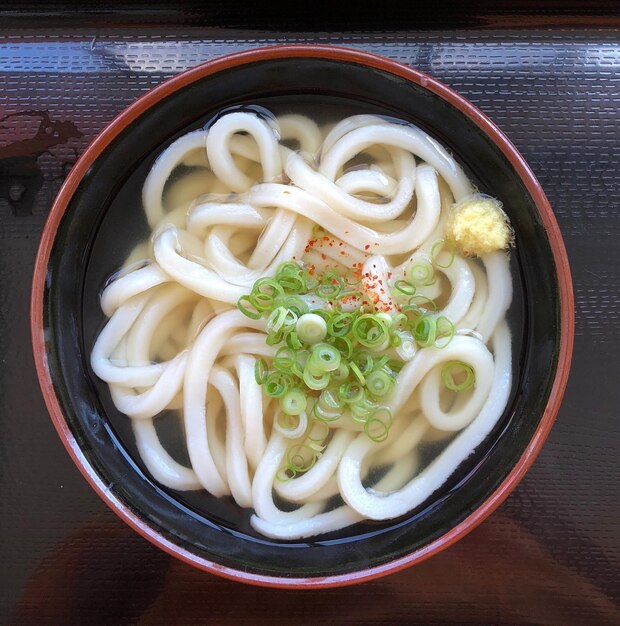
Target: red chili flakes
{"x":343,"y":253}
{"x":389,"y":274}
{"x":311,"y":243}
{"x":367,"y":246}
{"x":357,"y":270}
{"x":324,"y":256}
{"x":325,"y":238}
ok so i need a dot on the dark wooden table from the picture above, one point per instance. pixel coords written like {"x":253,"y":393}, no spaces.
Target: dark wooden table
{"x":549,"y":555}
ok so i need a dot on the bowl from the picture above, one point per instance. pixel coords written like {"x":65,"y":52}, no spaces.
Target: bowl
{"x":90,"y":229}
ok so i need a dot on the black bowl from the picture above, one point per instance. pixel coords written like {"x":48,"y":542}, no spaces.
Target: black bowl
{"x":97,"y":217}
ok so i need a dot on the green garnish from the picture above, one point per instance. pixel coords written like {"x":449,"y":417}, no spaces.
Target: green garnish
{"x":454,"y":370}
{"x":329,"y":360}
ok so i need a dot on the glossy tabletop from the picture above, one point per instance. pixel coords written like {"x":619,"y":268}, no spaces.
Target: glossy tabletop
{"x":549,"y":555}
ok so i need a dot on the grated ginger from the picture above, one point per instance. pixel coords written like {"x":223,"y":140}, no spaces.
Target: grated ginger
{"x":477,"y":226}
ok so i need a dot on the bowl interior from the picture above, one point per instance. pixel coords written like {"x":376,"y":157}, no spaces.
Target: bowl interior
{"x":103,"y":221}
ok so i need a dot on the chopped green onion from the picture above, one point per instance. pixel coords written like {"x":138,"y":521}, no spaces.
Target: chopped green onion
{"x":379,"y":383}
{"x":293,"y":284}
{"x":277,"y":384}
{"x":377,"y":427}
{"x":311,"y":328}
{"x":315,"y":367}
{"x":291,"y":426}
{"x":326,"y":314}
{"x":395,"y":366}
{"x":429,"y":330}
{"x":298,"y":366}
{"x":421,"y":301}
{"x":300,"y":459}
{"x":340,"y":324}
{"x":351,"y":393}
{"x":267,"y":286}
{"x":330,"y":399}
{"x":370,"y":330}
{"x":425,"y":330}
{"x":326,"y":356}
{"x":324,"y":415}
{"x":362,"y":409}
{"x":358,"y":373}
{"x":330,"y":285}
{"x":331,"y":360}
{"x":262,"y":302}
{"x":293,"y":402}
{"x":457,"y":369}
{"x":284,"y":360}
{"x":445,"y":332}
{"x":274,"y":338}
{"x":253,"y":313}
{"x":380,"y":363}
{"x":341,"y":373}
{"x":275,"y":321}
{"x":343,"y":345}
{"x":399,"y":320}
{"x":264,"y":293}
{"x":437,"y":249}
{"x":315,"y":381}
{"x":363,"y":359}
{"x":287,"y":268}
{"x":260,"y":371}
{"x":291,"y":278}
{"x":421,"y":273}
{"x":295,"y":304}
{"x":406,"y":349}
{"x":416,"y":309}
{"x":402,"y":286}
{"x":292,"y":341}
{"x":384,"y":317}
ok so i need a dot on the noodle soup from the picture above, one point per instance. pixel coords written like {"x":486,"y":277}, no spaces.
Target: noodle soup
{"x":306,"y":333}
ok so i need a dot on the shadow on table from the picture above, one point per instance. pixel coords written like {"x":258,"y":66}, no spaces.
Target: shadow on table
{"x":106,"y":574}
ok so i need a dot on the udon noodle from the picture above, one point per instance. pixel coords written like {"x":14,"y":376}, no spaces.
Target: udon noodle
{"x":314,"y":423}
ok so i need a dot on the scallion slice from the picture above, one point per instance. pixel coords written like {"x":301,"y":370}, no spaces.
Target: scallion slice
{"x":421,"y":273}
{"x":293,"y":402}
{"x":439,"y":247}
{"x":458,"y":370}
{"x":311,"y":328}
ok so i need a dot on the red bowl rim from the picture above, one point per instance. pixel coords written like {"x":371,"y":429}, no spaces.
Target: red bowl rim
{"x":357,"y":57}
